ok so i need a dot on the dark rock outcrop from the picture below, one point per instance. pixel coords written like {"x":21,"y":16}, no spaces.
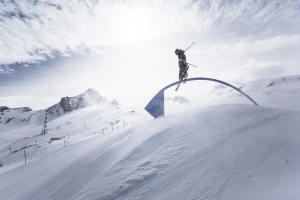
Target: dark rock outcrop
{"x":68,"y":104}
{"x":3,"y":108}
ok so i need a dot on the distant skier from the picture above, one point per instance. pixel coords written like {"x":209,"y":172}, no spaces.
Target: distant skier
{"x":183,"y":66}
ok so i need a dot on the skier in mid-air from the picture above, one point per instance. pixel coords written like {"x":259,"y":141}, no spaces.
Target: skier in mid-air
{"x":183,"y":66}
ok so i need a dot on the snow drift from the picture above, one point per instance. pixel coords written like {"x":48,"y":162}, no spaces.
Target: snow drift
{"x":220,"y":152}
{"x":280,"y":92}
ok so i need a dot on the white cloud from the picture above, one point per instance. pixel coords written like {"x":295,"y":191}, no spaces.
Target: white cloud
{"x":6,"y":70}
{"x":252,"y":45}
{"x":257,"y":69}
{"x":253,"y":15}
{"x":34,"y":31}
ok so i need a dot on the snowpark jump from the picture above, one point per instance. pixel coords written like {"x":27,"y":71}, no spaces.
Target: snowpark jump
{"x":156,"y":106}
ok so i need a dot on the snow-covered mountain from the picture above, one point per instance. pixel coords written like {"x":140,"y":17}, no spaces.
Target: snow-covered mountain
{"x":11,"y":118}
{"x":115,"y":102}
{"x":177,"y":99}
{"x":68,"y":104}
{"x":280,"y":92}
{"x":24,"y":116}
{"x":6,"y":119}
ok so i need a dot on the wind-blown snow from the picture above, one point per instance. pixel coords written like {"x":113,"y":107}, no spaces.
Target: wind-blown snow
{"x":280,"y":92}
{"x":220,"y":152}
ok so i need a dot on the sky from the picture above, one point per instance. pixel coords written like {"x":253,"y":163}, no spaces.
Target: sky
{"x":125,"y":48}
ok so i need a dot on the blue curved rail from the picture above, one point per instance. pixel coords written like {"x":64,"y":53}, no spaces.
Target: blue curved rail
{"x":156,"y":106}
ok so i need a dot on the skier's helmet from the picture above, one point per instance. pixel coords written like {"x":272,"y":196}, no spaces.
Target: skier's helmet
{"x":177,"y":51}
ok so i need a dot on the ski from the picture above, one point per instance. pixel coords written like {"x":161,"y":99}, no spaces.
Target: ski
{"x":180,"y":81}
{"x":178,"y":86}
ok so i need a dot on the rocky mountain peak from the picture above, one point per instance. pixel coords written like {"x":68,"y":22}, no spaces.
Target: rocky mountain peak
{"x":68,"y":104}
{"x":115,"y":102}
{"x":177,"y":99}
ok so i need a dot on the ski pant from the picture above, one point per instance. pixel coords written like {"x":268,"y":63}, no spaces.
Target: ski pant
{"x":183,"y":73}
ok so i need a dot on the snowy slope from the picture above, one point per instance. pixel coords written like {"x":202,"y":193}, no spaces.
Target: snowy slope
{"x":12,"y":117}
{"x":220,"y":152}
{"x":72,"y":120}
{"x":68,"y":129}
{"x":281,"y":92}
{"x":13,"y":121}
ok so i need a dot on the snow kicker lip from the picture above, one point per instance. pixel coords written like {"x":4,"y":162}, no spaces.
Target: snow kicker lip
{"x":156,"y":106}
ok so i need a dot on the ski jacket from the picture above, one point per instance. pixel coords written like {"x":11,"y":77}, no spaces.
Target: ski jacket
{"x":182,"y":65}
{"x":181,"y":56}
